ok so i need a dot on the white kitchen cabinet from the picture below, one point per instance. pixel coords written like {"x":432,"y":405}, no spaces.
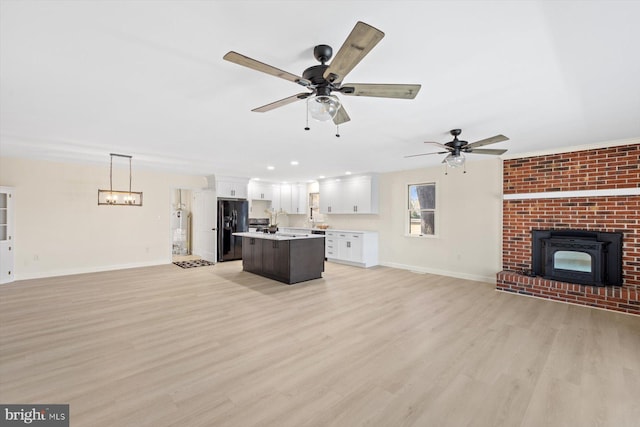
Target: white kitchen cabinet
{"x":6,"y":235}
{"x":232,"y":187}
{"x":299,"y":199}
{"x":329,"y":196}
{"x":285,"y":198}
{"x":351,"y":195}
{"x":275,"y":198}
{"x":260,"y":191}
{"x":361,"y":195}
{"x":289,"y":198}
{"x":358,"y":248}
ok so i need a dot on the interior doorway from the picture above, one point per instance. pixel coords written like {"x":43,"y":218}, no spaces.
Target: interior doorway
{"x":181,"y":225}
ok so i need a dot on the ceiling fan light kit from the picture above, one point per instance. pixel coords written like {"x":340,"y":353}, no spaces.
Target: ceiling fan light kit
{"x":325,"y":78}
{"x":323,"y":107}
{"x":455,"y":161}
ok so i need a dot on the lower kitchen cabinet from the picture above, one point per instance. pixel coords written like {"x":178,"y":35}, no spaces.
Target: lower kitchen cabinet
{"x":275,"y":258}
{"x":358,"y":248}
{"x":251,"y":254}
{"x":288,"y":261}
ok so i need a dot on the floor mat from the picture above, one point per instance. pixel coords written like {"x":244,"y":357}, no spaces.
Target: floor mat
{"x":193,"y":263}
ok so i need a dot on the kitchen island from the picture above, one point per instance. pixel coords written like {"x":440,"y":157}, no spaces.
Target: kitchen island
{"x":287,"y":257}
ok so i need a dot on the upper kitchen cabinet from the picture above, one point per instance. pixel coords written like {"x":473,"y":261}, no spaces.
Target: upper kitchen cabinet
{"x":285,"y":198}
{"x":276,"y":204}
{"x":260,"y":191}
{"x":350,"y":195}
{"x":289,"y":198}
{"x":299,"y":199}
{"x":232,"y":187}
{"x":329,"y":196}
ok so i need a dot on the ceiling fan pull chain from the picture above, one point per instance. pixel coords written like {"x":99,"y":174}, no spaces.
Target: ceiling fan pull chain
{"x":445,"y":170}
{"x":337,"y":131}
{"x":464,"y":167}
{"x":307,"y":126}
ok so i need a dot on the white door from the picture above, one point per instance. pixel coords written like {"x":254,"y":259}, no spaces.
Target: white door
{"x":205,"y":220}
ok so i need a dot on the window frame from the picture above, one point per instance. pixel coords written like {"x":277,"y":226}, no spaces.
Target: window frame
{"x":407,"y":210}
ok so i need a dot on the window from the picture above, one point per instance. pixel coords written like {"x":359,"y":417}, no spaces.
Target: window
{"x":422,"y":209}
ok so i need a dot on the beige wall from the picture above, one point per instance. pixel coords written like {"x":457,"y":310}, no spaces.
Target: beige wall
{"x":469,"y":241}
{"x":60,"y":229}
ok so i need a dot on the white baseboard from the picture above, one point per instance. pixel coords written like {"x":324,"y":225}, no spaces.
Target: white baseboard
{"x":353,"y":264}
{"x":456,"y":274}
{"x":84,"y":270}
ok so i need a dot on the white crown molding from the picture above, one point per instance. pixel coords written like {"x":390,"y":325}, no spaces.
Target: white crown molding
{"x":67,"y":151}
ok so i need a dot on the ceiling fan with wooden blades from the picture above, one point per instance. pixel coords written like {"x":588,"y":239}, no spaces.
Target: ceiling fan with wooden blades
{"x":456,"y":147}
{"x":321,"y":80}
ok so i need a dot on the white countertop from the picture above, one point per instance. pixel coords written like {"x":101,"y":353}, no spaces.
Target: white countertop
{"x":279,"y":235}
{"x":335,"y":230}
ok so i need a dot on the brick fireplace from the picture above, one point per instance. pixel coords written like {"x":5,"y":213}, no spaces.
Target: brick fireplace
{"x":592,"y":190}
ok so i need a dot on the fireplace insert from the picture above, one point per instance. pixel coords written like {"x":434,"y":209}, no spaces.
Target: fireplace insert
{"x":577,"y":256}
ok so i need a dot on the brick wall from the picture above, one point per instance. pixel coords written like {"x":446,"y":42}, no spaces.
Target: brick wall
{"x":615,"y":167}
{"x":598,"y":169}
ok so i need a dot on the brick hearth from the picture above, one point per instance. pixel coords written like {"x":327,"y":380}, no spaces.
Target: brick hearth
{"x":595,"y":170}
{"x":618,"y":298}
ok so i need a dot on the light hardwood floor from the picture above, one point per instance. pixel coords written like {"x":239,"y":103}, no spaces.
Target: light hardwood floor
{"x":214,"y":346}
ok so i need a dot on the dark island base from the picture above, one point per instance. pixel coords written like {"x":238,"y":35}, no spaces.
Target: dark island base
{"x":287,"y":261}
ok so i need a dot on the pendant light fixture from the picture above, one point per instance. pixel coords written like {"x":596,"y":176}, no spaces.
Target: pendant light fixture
{"x":119,"y":197}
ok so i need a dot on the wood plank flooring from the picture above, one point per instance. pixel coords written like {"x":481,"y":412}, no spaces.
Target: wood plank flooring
{"x":215,"y":346}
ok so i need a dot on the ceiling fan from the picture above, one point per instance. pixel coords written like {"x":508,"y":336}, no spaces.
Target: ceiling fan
{"x":456,"y":147}
{"x":322,"y":80}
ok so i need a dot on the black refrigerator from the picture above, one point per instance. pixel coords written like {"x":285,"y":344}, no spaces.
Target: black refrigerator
{"x":233,"y":217}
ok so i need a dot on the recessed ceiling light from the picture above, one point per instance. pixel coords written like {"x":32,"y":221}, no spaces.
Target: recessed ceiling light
{"x":270,"y":168}
{"x":347,"y":173}
{"x":294,"y":162}
{"x":255,"y":179}
{"x":321,"y":177}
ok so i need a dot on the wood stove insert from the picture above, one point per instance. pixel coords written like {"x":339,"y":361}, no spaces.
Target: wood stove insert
{"x":577,"y":256}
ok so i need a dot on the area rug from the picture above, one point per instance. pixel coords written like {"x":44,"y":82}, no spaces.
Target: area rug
{"x":193,"y":263}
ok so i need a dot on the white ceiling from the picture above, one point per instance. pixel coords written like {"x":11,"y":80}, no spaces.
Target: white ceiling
{"x":82,"y":79}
